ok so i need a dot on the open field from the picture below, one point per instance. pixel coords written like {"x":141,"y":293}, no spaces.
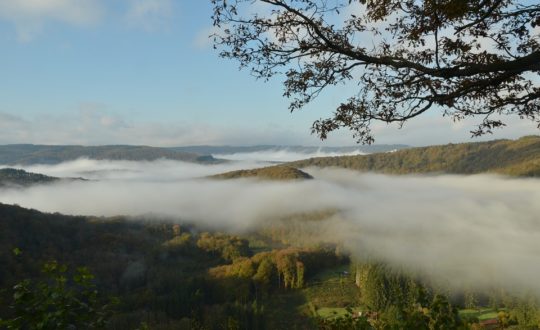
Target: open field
{"x":481,"y":314}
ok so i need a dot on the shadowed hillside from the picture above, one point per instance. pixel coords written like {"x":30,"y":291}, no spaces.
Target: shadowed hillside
{"x":178,"y":276}
{"x":15,"y":177}
{"x":167,"y":275}
{"x":267,"y":173}
{"x":510,"y":157}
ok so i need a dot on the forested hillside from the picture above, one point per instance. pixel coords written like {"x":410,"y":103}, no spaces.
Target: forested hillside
{"x":11,"y":177}
{"x":509,"y":157}
{"x":179,"y":276}
{"x":280,"y":172}
{"x":16,"y":177}
{"x":167,"y":275}
{"x":27,"y":154}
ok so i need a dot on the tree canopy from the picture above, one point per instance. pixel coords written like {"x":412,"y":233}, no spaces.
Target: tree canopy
{"x":464,"y":58}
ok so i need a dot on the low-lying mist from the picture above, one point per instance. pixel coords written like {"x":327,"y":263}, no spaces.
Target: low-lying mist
{"x":465,"y":231}
{"x":154,"y":171}
{"x":283,"y":155}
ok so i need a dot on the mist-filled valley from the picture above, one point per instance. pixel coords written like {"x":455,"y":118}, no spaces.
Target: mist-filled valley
{"x":269,"y":164}
{"x":325,"y":245}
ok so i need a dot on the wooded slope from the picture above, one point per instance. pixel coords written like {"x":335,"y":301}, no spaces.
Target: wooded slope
{"x":279,"y":172}
{"x":510,"y":157}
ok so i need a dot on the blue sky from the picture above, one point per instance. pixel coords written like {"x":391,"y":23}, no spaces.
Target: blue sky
{"x":144,"y":72}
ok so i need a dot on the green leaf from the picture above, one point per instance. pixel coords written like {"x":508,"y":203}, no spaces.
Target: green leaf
{"x":16,"y":251}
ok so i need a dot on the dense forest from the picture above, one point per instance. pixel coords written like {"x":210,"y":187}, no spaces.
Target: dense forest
{"x":166,"y":275}
{"x":509,"y":157}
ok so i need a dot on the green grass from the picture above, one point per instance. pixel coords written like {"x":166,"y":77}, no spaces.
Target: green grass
{"x":330,"y":312}
{"x":481,"y":314}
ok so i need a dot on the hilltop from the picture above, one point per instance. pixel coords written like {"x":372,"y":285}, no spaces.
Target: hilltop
{"x":28,"y":154}
{"x":15,"y":177}
{"x":519,"y":157}
{"x":279,"y":172}
{"x":18,"y":177}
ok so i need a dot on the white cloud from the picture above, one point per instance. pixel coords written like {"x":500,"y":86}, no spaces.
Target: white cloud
{"x":94,"y":124}
{"x":150,"y":15}
{"x":29,"y":17}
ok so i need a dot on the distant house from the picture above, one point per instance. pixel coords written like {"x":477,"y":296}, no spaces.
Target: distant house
{"x":490,"y":324}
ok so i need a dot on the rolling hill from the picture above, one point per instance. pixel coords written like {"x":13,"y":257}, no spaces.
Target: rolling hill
{"x":519,"y":157}
{"x":16,"y":177}
{"x":279,"y":172}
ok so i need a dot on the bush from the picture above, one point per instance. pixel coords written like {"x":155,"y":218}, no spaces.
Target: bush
{"x":58,"y":302}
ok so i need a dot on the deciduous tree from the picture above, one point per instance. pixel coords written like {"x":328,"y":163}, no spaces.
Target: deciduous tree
{"x":465,"y":58}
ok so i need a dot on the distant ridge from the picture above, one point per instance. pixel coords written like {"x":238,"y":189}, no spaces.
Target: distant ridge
{"x":28,"y":154}
{"x":279,"y":172}
{"x":227,"y":150}
{"x":519,"y":157}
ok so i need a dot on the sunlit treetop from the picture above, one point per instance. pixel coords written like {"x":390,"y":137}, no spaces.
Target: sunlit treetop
{"x":464,"y":58}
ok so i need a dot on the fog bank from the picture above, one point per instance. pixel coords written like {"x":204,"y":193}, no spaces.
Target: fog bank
{"x":153,"y":171}
{"x":473,"y":231}
{"x":283,"y":155}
